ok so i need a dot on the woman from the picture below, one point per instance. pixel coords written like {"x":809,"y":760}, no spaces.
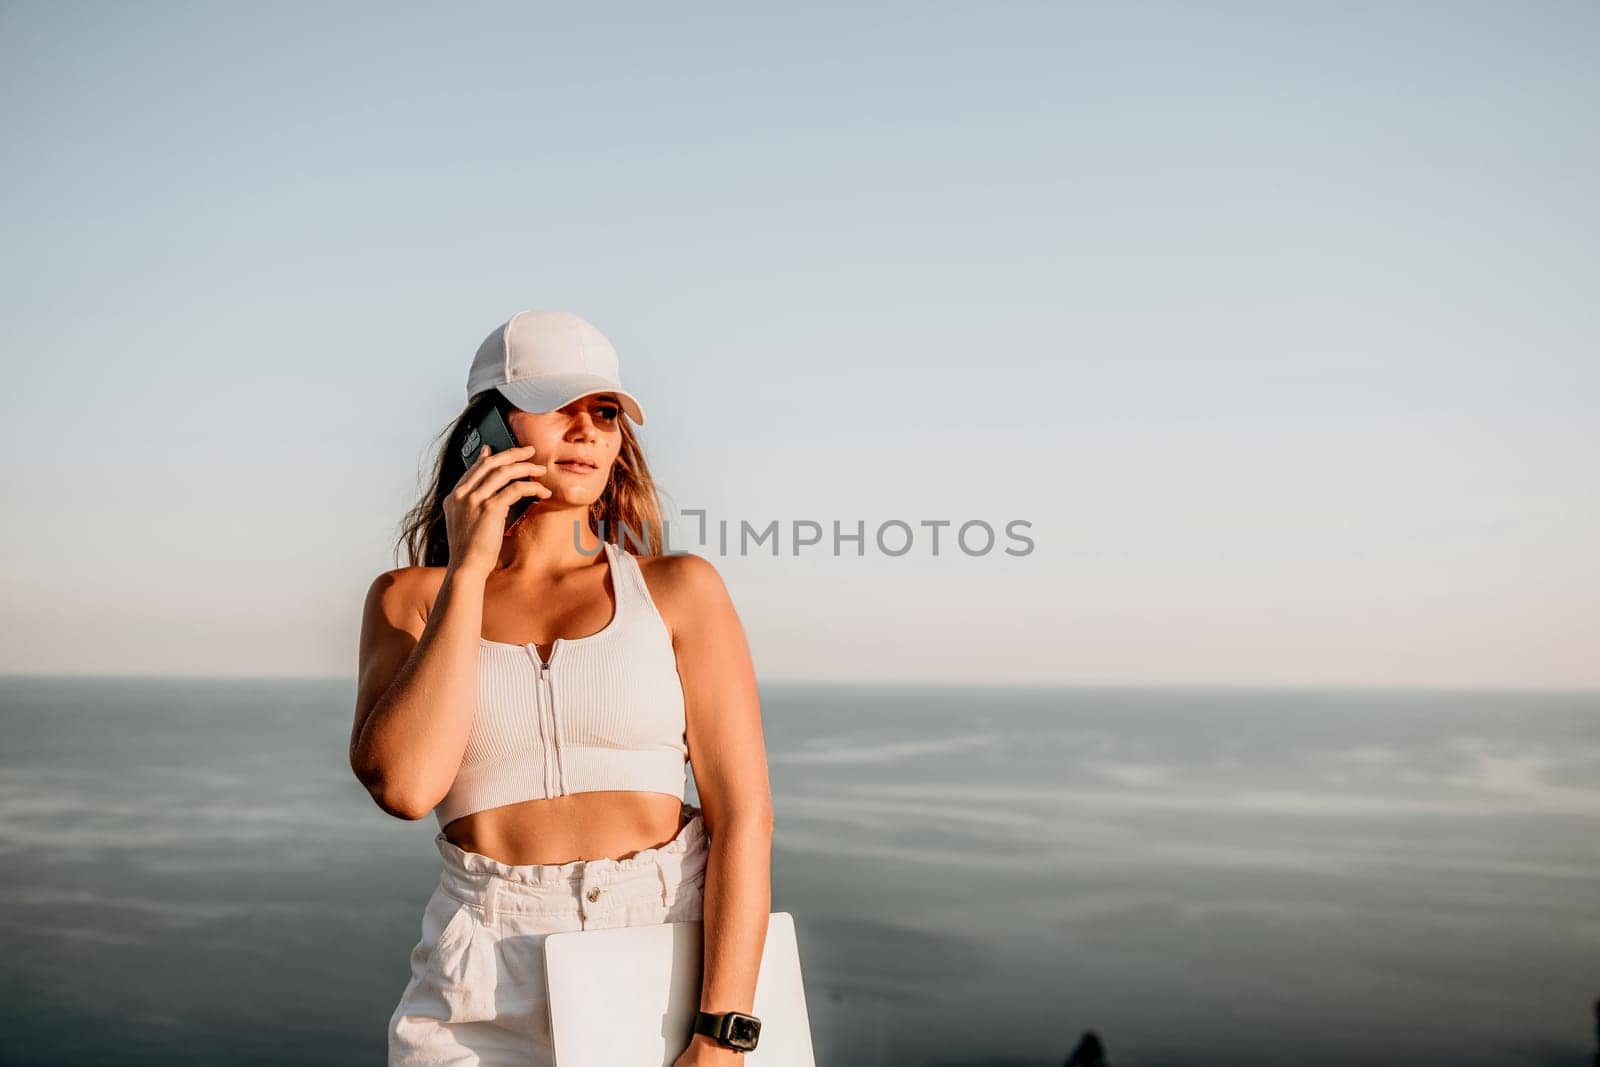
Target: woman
{"x":539,"y":689}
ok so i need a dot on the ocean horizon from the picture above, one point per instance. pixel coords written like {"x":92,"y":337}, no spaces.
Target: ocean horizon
{"x":1199,"y":875}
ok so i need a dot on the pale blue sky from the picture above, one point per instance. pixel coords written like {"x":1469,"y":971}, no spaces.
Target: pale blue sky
{"x":1277,"y":322}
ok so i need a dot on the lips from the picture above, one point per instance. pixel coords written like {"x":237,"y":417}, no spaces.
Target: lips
{"x":577,"y":466}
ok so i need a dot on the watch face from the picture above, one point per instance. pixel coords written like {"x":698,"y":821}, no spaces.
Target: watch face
{"x":743,"y":1031}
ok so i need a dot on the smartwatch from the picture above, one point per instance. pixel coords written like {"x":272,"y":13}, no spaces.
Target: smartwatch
{"x":731,"y":1029}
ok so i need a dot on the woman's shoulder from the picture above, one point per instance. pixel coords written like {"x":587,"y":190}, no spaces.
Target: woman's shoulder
{"x":685,"y":587}
{"x":417,"y":587}
{"x":419,"y":577}
{"x":679,"y":572}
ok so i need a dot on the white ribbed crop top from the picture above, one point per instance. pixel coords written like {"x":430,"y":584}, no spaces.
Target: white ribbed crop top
{"x":605,"y":712}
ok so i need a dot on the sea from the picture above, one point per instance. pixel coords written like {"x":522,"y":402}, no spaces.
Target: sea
{"x":190,"y":874}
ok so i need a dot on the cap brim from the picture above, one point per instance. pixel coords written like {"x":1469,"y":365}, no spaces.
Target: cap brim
{"x":553,"y":391}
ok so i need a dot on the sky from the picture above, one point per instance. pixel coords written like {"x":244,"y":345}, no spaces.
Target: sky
{"x":1274,"y":324}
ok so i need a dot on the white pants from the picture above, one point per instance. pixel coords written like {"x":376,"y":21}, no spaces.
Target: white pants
{"x":477,"y":989}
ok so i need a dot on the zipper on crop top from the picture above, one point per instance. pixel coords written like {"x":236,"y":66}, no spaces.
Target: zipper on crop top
{"x":545,"y":707}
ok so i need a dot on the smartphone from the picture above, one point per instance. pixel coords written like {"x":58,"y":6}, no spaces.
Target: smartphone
{"x":495,"y":431}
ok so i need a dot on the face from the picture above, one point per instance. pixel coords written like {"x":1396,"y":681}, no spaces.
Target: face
{"x":589,"y":428}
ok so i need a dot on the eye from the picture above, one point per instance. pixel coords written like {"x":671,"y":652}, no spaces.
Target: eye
{"x":608,"y":412}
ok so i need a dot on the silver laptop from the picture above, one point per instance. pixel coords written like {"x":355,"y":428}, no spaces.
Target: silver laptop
{"x":629,"y":995}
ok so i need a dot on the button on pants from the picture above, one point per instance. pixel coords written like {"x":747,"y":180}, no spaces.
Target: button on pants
{"x":477,"y":989}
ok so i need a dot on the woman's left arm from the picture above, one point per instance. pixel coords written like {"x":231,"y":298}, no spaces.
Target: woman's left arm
{"x":727,"y":749}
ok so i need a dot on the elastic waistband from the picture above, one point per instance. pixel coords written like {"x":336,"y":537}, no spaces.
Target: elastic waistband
{"x":543,"y":887}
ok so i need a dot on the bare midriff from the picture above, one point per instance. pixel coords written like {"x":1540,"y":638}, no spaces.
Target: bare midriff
{"x":605,"y":824}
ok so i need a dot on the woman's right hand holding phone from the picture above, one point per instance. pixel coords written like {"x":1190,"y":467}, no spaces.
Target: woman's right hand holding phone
{"x":475,"y":510}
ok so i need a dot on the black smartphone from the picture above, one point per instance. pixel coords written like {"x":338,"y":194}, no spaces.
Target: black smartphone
{"x":494,"y":430}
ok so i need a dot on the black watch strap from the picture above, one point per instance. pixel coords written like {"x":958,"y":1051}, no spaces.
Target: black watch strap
{"x":732,"y":1029}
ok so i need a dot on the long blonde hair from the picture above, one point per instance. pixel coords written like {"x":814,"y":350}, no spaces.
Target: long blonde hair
{"x":630,"y":505}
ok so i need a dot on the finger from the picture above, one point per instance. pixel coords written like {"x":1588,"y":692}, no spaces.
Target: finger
{"x":491,"y":460}
{"x":500,"y":477}
{"x":517,"y":490}
{"x":493,"y":476}
{"x":470,"y":474}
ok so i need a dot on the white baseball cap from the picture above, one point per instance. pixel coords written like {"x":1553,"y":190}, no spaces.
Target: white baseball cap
{"x":544,"y":360}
